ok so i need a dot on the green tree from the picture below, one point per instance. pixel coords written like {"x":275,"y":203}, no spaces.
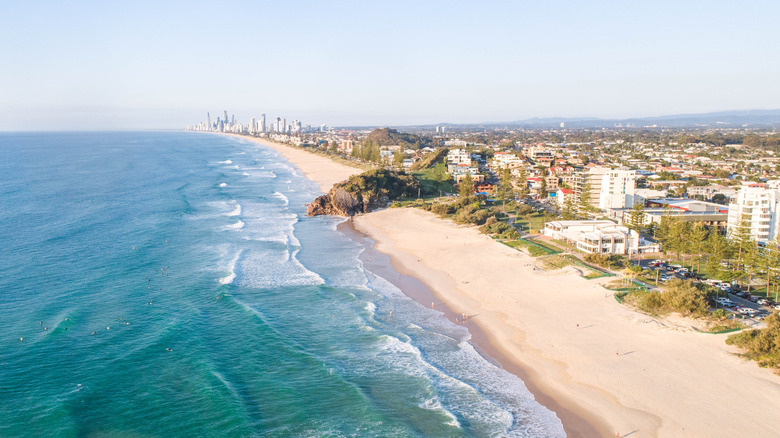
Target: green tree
{"x":636,"y":217}
{"x":569,"y":211}
{"x":466,"y":186}
{"x":543,"y":189}
{"x":770,"y":261}
{"x":398,"y":158}
{"x":584,"y":207}
{"x":698,"y":238}
{"x":741,"y":237}
{"x":716,"y":247}
{"x":522,"y":182}
{"x":505,"y":185}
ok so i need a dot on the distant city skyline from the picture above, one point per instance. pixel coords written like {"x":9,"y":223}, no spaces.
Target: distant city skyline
{"x":147,"y":65}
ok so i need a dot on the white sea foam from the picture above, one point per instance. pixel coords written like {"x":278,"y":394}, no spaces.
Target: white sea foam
{"x":244,"y":173}
{"x":465,"y":384}
{"x":433,"y":404}
{"x":236,"y":226}
{"x":269,"y":269}
{"x":236,"y":209}
{"x":228,"y":279}
{"x":225,"y":162}
{"x":223,"y":185}
{"x":284,"y":199}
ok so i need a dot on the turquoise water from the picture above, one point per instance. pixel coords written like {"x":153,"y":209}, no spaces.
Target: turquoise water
{"x":170,"y":284}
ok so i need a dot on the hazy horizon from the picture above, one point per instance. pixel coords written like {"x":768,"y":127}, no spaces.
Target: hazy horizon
{"x":87,"y":66}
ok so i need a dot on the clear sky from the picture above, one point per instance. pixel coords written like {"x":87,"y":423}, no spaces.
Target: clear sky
{"x":162,"y":64}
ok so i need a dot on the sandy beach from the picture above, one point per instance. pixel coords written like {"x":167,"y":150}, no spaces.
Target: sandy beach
{"x":629,"y":373}
{"x":604,"y":369}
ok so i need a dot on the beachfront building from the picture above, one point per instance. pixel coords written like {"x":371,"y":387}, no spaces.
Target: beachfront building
{"x":609,"y":188}
{"x":599,"y":237}
{"x":712,"y":215}
{"x":617,"y":189}
{"x":758,"y":208}
{"x":591,"y":177}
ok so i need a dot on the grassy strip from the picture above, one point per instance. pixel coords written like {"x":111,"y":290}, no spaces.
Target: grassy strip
{"x":720,"y":330}
{"x":534,"y":250}
{"x":549,"y":248}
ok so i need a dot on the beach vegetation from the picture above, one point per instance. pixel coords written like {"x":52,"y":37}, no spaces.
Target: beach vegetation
{"x":382,"y":183}
{"x":500,"y":229}
{"x":761,"y":345}
{"x":609,"y":261}
{"x":557,"y":261}
{"x":680,"y":296}
{"x":466,"y":186}
{"x":532,"y":249}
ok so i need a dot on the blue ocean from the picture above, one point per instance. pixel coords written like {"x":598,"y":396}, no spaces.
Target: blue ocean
{"x":170,"y":284}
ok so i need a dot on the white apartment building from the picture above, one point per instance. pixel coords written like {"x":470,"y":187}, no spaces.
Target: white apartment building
{"x":599,"y":237}
{"x":507,"y":160}
{"x":617,"y":189}
{"x":459,"y":157}
{"x":609,"y":188}
{"x":758,"y":206}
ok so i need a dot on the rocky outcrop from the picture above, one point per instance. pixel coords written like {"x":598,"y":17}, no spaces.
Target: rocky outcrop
{"x":337,"y":202}
{"x":364,"y":193}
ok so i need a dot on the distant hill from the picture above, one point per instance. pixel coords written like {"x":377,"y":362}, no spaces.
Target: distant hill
{"x":722,"y":119}
{"x":389,"y":137}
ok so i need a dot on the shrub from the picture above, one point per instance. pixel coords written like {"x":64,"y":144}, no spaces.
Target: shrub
{"x":443,"y":208}
{"x":610,"y":261}
{"x":678,"y":296}
{"x":762,"y":345}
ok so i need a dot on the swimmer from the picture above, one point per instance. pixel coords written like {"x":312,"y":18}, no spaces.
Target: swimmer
{"x":46,"y":328}
{"x":21,"y":339}
{"x":93,"y":333}
{"x":108,"y":328}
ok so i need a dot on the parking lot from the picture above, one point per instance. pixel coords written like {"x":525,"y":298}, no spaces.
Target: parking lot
{"x":740,"y":303}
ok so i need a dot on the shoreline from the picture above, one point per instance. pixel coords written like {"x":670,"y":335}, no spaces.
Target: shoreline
{"x":576,"y":422}
{"x":321,"y":170}
{"x":617,"y":370}
{"x":626,"y":372}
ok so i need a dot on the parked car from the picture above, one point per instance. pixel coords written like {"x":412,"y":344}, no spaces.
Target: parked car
{"x":763,"y":302}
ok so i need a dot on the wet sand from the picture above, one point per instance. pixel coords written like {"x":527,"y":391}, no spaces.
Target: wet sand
{"x":576,"y":423}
